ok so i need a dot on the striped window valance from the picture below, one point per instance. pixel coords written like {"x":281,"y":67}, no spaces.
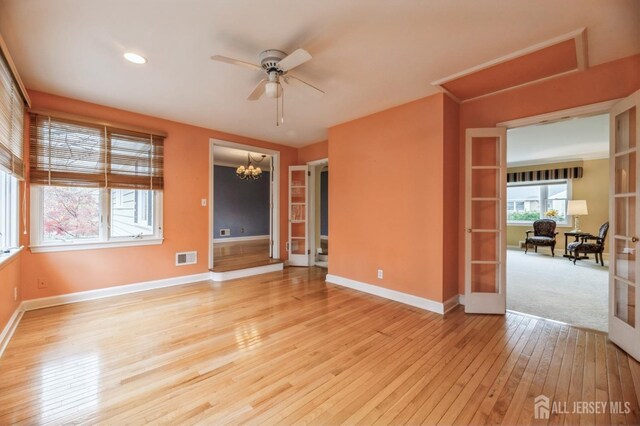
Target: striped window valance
{"x":550,"y":174}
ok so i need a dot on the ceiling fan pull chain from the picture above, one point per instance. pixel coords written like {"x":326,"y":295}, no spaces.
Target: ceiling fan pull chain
{"x":282,"y":114}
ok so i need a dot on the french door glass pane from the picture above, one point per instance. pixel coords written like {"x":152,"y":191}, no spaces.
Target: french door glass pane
{"x":484,"y":214}
{"x":625,"y":130}
{"x":484,"y":278}
{"x":625,"y":265}
{"x":625,"y":215}
{"x":484,"y":246}
{"x":484,"y":183}
{"x":625,"y":175}
{"x":486,"y":152}
{"x":624,"y":302}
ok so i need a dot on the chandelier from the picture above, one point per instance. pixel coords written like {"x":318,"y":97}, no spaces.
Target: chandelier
{"x":249,"y":172}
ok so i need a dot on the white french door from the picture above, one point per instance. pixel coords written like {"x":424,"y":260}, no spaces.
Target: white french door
{"x":298,"y":216}
{"x":624,"y":324}
{"x":485,"y":220}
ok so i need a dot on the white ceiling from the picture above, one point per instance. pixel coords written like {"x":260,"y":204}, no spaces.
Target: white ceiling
{"x":582,"y":138}
{"x":235,"y":157}
{"x":368,"y":55}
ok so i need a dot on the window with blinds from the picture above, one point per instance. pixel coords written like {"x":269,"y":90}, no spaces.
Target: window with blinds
{"x":70,"y":153}
{"x":11,"y":122}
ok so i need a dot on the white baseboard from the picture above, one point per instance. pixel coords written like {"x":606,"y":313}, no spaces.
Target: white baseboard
{"x":11,"y":326}
{"x":407,"y":299}
{"x":461,"y":299}
{"x":63,"y":299}
{"x":248,"y":272}
{"x":235,"y":239}
{"x":451,"y":303}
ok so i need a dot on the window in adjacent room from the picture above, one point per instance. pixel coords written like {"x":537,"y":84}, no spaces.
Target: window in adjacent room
{"x":94,"y":185}
{"x":529,"y":202}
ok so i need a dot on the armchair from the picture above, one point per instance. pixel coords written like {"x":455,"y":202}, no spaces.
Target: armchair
{"x":585,"y":246}
{"x":544,"y":234}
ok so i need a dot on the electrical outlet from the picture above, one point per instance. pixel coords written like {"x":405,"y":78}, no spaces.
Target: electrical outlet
{"x":380,"y":274}
{"x":42,"y":283}
{"x":242,"y":230}
{"x":203,"y":202}
{"x":15,"y":293}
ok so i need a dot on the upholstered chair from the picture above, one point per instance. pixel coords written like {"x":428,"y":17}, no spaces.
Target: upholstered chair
{"x":590,"y":244}
{"x":544,"y":234}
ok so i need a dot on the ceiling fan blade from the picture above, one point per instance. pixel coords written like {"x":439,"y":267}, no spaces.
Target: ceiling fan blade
{"x":258,"y":91}
{"x":235,"y":62}
{"x":298,"y":57}
{"x":289,"y":76}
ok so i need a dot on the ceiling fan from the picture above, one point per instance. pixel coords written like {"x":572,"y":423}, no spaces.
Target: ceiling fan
{"x":276,"y":64}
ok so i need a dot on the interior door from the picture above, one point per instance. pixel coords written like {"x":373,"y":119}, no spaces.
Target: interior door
{"x":485,"y":221}
{"x":298,"y":215}
{"x":624,"y":324}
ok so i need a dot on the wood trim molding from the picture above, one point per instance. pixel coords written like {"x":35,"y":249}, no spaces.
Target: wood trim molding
{"x":248,"y":272}
{"x":579,"y":36}
{"x":585,"y":110}
{"x":10,"y":328}
{"x":386,"y":293}
{"x":236,"y":239}
{"x":14,"y":71}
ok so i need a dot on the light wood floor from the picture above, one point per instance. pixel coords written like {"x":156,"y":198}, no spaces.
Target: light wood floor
{"x":285,"y":347}
{"x":240,"y":255}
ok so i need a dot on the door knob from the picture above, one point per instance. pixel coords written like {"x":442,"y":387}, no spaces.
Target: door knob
{"x":634,"y":239}
{"x":469,"y":230}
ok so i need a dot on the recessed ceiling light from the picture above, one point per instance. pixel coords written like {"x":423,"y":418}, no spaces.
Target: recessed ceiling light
{"x":135,"y":58}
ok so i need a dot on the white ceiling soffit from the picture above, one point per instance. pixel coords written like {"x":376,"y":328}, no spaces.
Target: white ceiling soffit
{"x":368,"y":55}
{"x":233,"y":157}
{"x":573,"y":139}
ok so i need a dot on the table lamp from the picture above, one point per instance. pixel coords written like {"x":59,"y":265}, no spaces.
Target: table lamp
{"x":577,"y":208}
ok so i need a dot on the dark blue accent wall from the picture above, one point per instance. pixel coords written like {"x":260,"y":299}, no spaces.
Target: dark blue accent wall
{"x":240,"y":204}
{"x":324,"y":203}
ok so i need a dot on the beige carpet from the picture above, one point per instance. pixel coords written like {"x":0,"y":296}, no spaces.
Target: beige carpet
{"x":555,"y":288}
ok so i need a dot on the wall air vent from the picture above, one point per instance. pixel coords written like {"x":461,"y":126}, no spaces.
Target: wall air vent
{"x":186,"y":258}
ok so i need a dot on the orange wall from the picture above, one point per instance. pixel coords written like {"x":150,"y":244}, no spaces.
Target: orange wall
{"x":611,"y":80}
{"x":9,"y":279}
{"x":316,"y":151}
{"x":386,"y":200}
{"x":185,"y":221}
{"x":450,"y":204}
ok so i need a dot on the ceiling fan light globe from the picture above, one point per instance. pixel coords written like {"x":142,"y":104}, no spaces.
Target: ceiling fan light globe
{"x":271,"y":89}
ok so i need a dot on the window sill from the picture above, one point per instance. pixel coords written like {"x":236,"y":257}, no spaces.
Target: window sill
{"x":558,"y":224}
{"x":50,"y":248}
{"x":6,"y":258}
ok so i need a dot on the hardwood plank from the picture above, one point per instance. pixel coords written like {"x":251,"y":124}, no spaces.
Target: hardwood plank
{"x":288,"y":348}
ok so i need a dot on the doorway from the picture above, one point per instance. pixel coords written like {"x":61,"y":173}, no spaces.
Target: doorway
{"x":319,"y":213}
{"x":551,"y":168}
{"x":243,"y":211}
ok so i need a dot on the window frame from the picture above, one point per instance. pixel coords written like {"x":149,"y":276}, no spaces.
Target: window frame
{"x":10,"y":214}
{"x":543,"y":201}
{"x":104,"y":240}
